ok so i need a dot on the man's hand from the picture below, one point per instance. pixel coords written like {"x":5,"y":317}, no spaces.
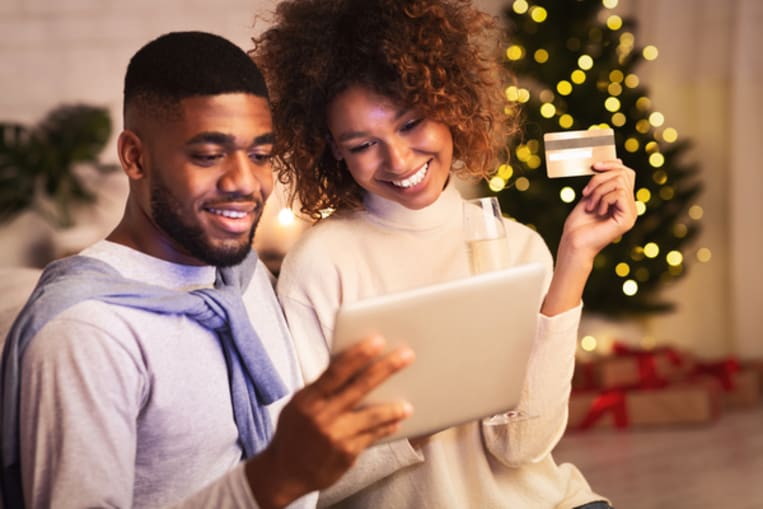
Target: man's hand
{"x":322,"y":430}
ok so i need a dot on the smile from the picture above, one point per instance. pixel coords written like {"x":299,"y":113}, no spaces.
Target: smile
{"x":232,"y":214}
{"x":414,"y":179}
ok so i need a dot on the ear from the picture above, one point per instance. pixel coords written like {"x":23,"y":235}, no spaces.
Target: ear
{"x":334,"y":148}
{"x":130,"y":151}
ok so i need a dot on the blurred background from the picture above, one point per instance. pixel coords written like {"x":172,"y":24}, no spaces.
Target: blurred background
{"x":686,"y":107}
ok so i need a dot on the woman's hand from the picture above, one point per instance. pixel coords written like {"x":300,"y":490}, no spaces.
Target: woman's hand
{"x":605,"y":212}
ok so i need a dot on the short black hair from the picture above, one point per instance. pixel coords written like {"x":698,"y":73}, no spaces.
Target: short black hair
{"x":179,"y":65}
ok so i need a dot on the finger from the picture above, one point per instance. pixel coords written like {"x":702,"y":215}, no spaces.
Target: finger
{"x":607,"y":171}
{"x":345,"y":365}
{"x":602,"y":189}
{"x":368,"y":378}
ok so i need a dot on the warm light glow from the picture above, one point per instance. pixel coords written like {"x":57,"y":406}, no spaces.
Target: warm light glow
{"x":538,"y":14}
{"x":619,"y":119}
{"x":642,"y":126}
{"x":612,"y":104}
{"x":622,"y":269}
{"x":546,"y":96}
{"x":637,"y":253}
{"x":644,"y":195}
{"x":656,"y":119}
{"x":631,"y":145}
{"x":631,"y":81}
{"x":660,"y":177}
{"x":651,"y":250}
{"x":541,"y":56}
{"x":547,"y":110}
{"x":285,"y":217}
{"x":567,"y":194}
{"x":656,"y":160}
{"x":615,"y":89}
{"x":674,"y":258}
{"x":696,"y":212}
{"x":577,"y":76}
{"x":523,"y":95}
{"x":515,"y":52}
{"x":564,"y":87}
{"x":651,"y":146}
{"x":505,"y":171}
{"x":523,"y":152}
{"x":627,"y":39}
{"x":704,"y":255}
{"x":670,"y":135}
{"x":566,"y":121}
{"x":585,"y":62}
{"x":496,"y":184}
{"x":650,"y":52}
{"x":630,"y":287}
{"x":614,"y":22}
{"x":616,"y":76}
{"x":522,"y":184}
{"x":512,"y":93}
{"x":609,"y":4}
{"x":533,"y":162}
{"x":643,"y":103}
{"x":520,"y":6}
{"x":680,"y":230}
{"x":588,"y":343}
{"x":640,"y":208}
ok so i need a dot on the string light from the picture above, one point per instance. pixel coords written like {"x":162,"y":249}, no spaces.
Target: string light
{"x":704,"y":255}
{"x":588,"y":343}
{"x":547,"y":110}
{"x":656,"y":119}
{"x":541,"y":56}
{"x":566,"y":121}
{"x":538,"y":14}
{"x":622,"y":269}
{"x":609,"y":4}
{"x":564,"y":87}
{"x":696,"y":212}
{"x":515,"y":52}
{"x":496,"y":184}
{"x":670,"y":135}
{"x":630,"y":288}
{"x":578,"y":77}
{"x":612,"y":104}
{"x":285,"y":217}
{"x":522,"y":184}
{"x":674,"y":258}
{"x":651,"y":250}
{"x":656,"y":160}
{"x":631,"y":81}
{"x":585,"y":62}
{"x":567,"y":194}
{"x":650,"y":52}
{"x":614,"y":22}
{"x":520,"y":6}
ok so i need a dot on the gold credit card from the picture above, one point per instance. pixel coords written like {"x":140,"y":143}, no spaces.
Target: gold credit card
{"x":572,"y":153}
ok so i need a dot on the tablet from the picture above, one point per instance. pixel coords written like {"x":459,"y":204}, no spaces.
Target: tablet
{"x":472,"y":338}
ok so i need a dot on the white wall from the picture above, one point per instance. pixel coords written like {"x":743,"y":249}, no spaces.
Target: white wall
{"x":55,"y":51}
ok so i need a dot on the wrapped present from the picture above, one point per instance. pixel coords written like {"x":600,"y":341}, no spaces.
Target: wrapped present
{"x":682,"y":403}
{"x":629,"y":368}
{"x":741,"y":384}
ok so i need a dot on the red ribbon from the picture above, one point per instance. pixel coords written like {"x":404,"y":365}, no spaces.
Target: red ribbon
{"x":611,"y":401}
{"x":723,"y":370}
{"x":649,"y":378}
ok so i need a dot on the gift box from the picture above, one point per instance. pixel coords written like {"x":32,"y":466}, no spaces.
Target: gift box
{"x":629,"y":367}
{"x":741,"y":383}
{"x":682,"y":403}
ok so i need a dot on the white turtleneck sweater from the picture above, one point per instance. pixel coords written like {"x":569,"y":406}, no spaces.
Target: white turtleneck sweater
{"x":387,"y":248}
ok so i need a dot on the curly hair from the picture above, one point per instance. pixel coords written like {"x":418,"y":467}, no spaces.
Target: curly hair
{"x":440,"y":57}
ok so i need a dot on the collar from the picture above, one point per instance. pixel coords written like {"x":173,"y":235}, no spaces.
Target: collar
{"x":443,"y":211}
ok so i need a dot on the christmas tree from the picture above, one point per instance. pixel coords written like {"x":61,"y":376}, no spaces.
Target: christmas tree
{"x":575,"y":63}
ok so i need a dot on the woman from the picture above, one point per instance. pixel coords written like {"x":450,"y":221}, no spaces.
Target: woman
{"x":377,"y":104}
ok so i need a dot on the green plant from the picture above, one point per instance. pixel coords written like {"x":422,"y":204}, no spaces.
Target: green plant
{"x":38,"y":163}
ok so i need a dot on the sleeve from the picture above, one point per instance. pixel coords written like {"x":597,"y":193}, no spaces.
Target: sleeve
{"x":541,"y":416}
{"x":83,"y":389}
{"x":540,"y":419}
{"x":309,"y":298}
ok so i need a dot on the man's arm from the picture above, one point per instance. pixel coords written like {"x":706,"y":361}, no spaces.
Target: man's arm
{"x":322,"y":430}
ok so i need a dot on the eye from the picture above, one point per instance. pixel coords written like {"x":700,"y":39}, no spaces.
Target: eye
{"x":260,"y":158}
{"x":411,"y":124}
{"x":360,"y":148}
{"x":206,"y":159}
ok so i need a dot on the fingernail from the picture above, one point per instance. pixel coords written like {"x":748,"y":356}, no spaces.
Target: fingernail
{"x":407,"y":408}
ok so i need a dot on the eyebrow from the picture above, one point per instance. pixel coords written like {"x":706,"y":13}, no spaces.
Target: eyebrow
{"x":349,"y":135}
{"x":218,"y":138}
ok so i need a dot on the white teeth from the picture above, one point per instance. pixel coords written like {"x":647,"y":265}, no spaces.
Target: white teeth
{"x":233,"y":214}
{"x":413,"y":179}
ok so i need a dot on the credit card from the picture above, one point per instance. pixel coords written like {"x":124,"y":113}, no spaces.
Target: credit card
{"x":572,"y":153}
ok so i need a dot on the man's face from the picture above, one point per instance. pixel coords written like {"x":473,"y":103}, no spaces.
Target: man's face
{"x":208,"y":174}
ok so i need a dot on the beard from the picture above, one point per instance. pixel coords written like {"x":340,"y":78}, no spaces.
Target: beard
{"x":167,"y":213}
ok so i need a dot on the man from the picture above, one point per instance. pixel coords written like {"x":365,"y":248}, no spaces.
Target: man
{"x":134,"y":376}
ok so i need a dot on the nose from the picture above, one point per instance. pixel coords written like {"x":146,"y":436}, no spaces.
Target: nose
{"x":398,"y":155}
{"x":244,"y":177}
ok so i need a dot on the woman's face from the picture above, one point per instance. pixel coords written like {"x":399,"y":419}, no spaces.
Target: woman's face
{"x":390,"y":150}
